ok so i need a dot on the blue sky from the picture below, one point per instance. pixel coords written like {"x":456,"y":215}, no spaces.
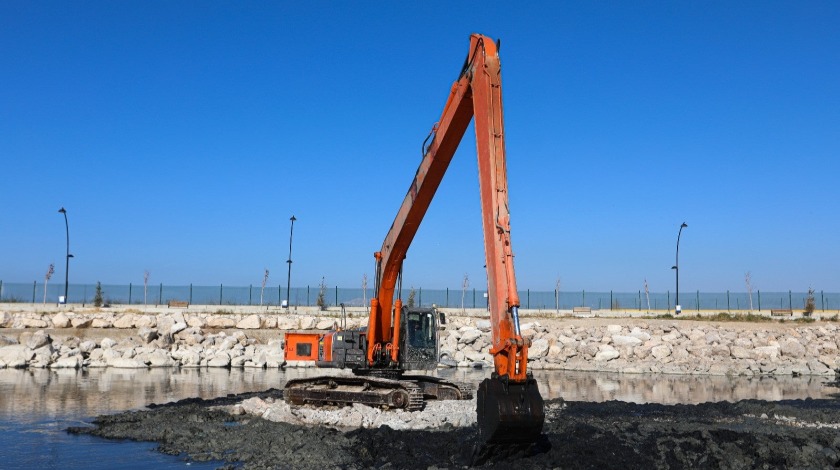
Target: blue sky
{"x":181,"y":136}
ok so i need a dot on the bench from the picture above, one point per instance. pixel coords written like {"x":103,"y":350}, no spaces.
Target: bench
{"x":577,"y":310}
{"x":178,"y":303}
{"x":780,"y":312}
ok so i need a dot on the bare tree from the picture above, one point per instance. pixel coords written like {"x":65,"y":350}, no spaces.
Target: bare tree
{"x":262,"y":289}
{"x":47,"y":277}
{"x":146,"y":275}
{"x":748,"y":281}
{"x":464,"y":287}
{"x":364,"y":289}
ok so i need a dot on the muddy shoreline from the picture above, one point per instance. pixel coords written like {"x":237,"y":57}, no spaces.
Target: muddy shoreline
{"x":577,"y":435}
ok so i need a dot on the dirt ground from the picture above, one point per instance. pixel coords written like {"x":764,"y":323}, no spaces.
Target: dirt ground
{"x":576,"y":435}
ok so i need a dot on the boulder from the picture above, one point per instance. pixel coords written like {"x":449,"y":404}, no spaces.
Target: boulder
{"x":60,"y":320}
{"x":221,"y":359}
{"x":613,"y":329}
{"x":107,"y":343}
{"x":87,"y":346}
{"x":325,"y":324}
{"x":220,"y":322}
{"x":252,"y":322}
{"x":125,"y":321}
{"x":622,"y":341}
{"x":67,"y":362}
{"x":470,"y":335}
{"x":792,"y":348}
{"x":160,"y":358}
{"x":661,"y":351}
{"x":100,"y":323}
{"x":81,"y":322}
{"x":196,"y":321}
{"x":15,"y":356}
{"x":32,"y":323}
{"x":124,"y":363}
{"x":538,"y":349}
{"x":38,"y":340}
{"x":145,"y":321}
{"x":147,"y":335}
{"x":607,"y":353}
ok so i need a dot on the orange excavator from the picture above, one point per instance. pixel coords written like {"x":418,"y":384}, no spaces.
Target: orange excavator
{"x":397,"y":338}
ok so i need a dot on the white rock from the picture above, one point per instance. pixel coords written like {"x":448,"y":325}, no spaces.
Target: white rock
{"x":660,"y":352}
{"x":123,"y":363}
{"x":61,"y":320}
{"x":614,"y":329}
{"x":221,"y":359}
{"x":107,"y":343}
{"x":125,"y":321}
{"x":622,"y":341}
{"x":67,"y":362}
{"x":538,"y":349}
{"x":252,"y":322}
{"x":606,"y":355}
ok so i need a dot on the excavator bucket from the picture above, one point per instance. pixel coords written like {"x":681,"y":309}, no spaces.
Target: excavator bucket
{"x":509,"y":412}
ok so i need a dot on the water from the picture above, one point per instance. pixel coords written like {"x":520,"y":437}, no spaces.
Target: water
{"x":37,"y":406}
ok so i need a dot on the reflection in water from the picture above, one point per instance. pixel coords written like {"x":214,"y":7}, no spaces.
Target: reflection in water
{"x":38,"y":394}
{"x":664,"y":388}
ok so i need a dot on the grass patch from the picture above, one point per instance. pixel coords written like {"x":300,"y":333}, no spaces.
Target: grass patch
{"x":223,"y":312}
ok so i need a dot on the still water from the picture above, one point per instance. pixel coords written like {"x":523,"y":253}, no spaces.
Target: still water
{"x":36,"y":406}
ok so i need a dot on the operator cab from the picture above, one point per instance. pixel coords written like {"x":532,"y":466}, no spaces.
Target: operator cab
{"x":419,"y":340}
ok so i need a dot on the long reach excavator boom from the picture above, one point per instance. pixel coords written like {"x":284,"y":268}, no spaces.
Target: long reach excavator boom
{"x":398,"y":338}
{"x":477,"y":93}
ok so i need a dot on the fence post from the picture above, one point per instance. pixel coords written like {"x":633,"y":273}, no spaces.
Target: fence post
{"x":221,"y":289}
{"x":129,"y":293}
{"x":307,"y":296}
{"x":447,"y":297}
{"x":528,"y":299}
{"x":790,"y":300}
{"x":191,"y":293}
{"x":759,"y":301}
{"x":336,"y":295}
{"x":583,"y":298}
{"x":822,"y":301}
{"x":698,"y":300}
{"x":727,"y":302}
{"x":669,"y":300}
{"x":420,"y":297}
{"x":611,"y":299}
{"x":640,"y":300}
{"x":473,"y":297}
{"x":35,"y":284}
{"x":160,"y":295}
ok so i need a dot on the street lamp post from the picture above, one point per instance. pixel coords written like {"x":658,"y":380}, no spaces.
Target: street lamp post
{"x":676,"y":267}
{"x":289,"y":261}
{"x":67,"y":263}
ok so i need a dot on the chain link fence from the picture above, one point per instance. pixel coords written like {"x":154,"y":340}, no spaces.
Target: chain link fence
{"x":160,"y":294}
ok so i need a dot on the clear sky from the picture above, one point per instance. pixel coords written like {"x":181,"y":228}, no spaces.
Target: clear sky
{"x":181,"y":136}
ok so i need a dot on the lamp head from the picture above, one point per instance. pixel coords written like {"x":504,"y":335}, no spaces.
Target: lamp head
{"x":674,"y":267}
{"x":62,"y":210}
{"x":684,"y":225}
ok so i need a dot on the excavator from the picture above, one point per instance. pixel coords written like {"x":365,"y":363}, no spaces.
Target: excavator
{"x":397,"y":339}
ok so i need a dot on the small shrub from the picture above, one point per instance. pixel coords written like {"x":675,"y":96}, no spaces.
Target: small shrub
{"x":97,"y":298}
{"x":322,"y":291}
{"x":411,"y":295}
{"x":810,"y":305}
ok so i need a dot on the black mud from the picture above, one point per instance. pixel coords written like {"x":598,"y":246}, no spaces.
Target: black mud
{"x":747,"y":434}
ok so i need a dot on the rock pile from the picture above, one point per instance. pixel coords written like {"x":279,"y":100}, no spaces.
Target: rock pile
{"x":662,"y":347}
{"x":633,"y":346}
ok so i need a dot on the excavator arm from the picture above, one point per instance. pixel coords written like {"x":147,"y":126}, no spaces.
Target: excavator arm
{"x":515,"y":406}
